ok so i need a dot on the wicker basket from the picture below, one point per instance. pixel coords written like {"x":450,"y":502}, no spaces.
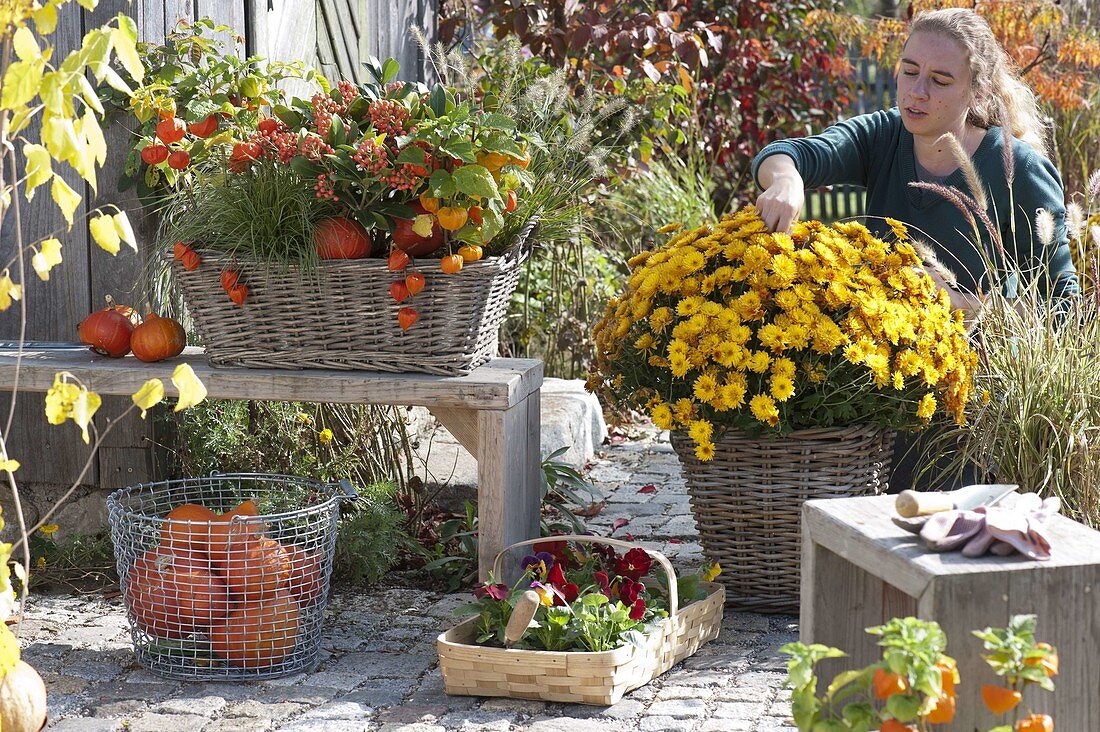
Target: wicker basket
{"x":341,"y":315}
{"x":574,"y":676}
{"x":747,"y":502}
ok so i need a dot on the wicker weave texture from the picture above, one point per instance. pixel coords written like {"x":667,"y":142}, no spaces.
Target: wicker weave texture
{"x":576,"y":677}
{"x":341,"y":315}
{"x":747,"y":502}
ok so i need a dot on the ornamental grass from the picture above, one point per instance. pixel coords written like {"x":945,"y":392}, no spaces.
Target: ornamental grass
{"x":732,"y":327}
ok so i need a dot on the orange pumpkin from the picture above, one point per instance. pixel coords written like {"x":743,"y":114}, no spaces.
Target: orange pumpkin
{"x":258,"y":634}
{"x":187,"y":529}
{"x":107,"y":332}
{"x":231,"y":529}
{"x":157,"y":339}
{"x":306,"y":575}
{"x":171,"y":595}
{"x":255,"y":568}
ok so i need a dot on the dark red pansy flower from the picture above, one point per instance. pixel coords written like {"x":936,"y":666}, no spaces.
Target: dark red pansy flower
{"x":637,"y":610}
{"x":497,"y":591}
{"x":634,"y":564}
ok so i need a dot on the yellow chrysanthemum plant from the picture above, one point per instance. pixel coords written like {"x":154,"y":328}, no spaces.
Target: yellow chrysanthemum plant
{"x":732,"y":327}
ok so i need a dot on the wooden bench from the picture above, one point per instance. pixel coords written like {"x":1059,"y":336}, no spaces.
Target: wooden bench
{"x":859,"y":570}
{"x":493,"y":412}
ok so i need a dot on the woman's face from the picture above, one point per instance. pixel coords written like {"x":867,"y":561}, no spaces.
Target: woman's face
{"x":933,"y":85}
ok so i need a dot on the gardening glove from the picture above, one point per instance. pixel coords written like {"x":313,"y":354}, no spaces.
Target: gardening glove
{"x":949,"y":530}
{"x":1023,"y":527}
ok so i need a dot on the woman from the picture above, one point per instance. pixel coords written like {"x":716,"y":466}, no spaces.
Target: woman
{"x":954,"y":79}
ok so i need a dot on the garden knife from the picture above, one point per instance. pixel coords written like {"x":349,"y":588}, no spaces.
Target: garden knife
{"x":914,"y":503}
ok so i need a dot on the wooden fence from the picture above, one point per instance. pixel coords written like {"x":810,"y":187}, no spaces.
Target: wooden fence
{"x":876,"y":89}
{"x":336,"y":35}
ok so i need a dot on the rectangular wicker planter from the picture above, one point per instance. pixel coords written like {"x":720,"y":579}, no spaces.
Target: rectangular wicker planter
{"x":575,"y":676}
{"x":340,"y":315}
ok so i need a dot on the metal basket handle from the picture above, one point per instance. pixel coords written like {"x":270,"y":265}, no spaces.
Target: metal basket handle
{"x":670,"y":573}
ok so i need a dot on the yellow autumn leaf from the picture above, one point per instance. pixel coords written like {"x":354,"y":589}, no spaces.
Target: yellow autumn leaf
{"x":45,"y":19}
{"x":9,"y":465}
{"x":87,"y":4}
{"x":125,"y":231}
{"x":68,"y":400}
{"x":150,"y":394}
{"x":39,"y":167}
{"x":93,"y":135}
{"x":25,"y":45}
{"x":125,"y":40}
{"x":21,"y":83}
{"x":47,"y":257}
{"x":9,"y":291}
{"x":104,"y":233}
{"x":65,"y":197}
{"x":423,"y":224}
{"x":9,"y":649}
{"x":190,"y":387}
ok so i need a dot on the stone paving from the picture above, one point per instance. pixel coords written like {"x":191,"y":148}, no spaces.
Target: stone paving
{"x":378,"y":668}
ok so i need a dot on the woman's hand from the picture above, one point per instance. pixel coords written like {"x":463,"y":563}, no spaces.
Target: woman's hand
{"x":784,"y":192}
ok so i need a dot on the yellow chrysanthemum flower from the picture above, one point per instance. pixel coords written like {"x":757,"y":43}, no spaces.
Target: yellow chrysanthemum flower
{"x":764,"y":409}
{"x":662,"y":416}
{"x":781,"y":387}
{"x":704,"y":451}
{"x":927,"y":407}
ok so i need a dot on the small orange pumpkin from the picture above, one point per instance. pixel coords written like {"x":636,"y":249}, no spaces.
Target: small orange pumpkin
{"x":157,"y":339}
{"x":108,"y":332}
{"x":258,"y":634}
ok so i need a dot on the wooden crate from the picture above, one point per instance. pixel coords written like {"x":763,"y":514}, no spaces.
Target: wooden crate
{"x":860,"y":570}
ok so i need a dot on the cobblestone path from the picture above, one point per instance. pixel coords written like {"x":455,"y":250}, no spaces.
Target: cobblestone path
{"x":379,"y":667}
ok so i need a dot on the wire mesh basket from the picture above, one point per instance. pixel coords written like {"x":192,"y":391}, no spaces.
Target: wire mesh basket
{"x":226,"y":576}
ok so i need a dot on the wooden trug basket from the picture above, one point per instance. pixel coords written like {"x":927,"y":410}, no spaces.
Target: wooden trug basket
{"x":577,"y":676}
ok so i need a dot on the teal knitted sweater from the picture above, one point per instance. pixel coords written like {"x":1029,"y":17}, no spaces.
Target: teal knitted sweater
{"x":876,"y":151}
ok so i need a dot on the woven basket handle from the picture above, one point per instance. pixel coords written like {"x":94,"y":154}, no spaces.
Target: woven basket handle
{"x":670,"y":573}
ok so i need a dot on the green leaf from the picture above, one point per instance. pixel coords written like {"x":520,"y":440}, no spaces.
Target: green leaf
{"x":389,"y":70}
{"x":39,"y":167}
{"x":125,"y":41}
{"x":475,"y":181}
{"x":338,"y":134}
{"x":437,"y":101}
{"x":65,"y":197}
{"x":903,"y":707}
{"x":441,"y":184}
{"x":411,"y":154}
{"x":496,"y":121}
{"x":288,"y":116}
{"x":21,"y":83}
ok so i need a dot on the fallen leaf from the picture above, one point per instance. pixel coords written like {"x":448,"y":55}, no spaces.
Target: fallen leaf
{"x":618,"y":524}
{"x":675,"y":541}
{"x":648,"y":488}
{"x":628,"y":537}
{"x":592,"y":509}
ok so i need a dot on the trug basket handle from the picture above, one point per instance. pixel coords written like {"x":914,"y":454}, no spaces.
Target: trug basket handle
{"x":670,"y":573}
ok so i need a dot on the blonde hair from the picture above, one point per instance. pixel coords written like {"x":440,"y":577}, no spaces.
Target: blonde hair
{"x":999,"y":96}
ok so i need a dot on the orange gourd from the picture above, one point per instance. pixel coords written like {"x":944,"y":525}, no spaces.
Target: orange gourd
{"x":187,"y":529}
{"x":157,"y":339}
{"x":258,"y":634}
{"x":171,"y":595}
{"x":1035,"y":723}
{"x":886,"y":684}
{"x":108,"y":331}
{"x":999,"y":699}
{"x":256,"y":568}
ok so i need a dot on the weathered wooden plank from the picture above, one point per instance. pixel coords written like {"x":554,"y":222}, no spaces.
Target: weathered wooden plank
{"x":386,"y":28}
{"x":461,"y":423}
{"x":120,"y":467}
{"x":333,"y":30}
{"x":500,"y":384}
{"x":507,"y":474}
{"x":54,"y":308}
{"x":227,"y":12}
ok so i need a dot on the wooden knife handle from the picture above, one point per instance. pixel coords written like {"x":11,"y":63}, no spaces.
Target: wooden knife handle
{"x":913,"y":503}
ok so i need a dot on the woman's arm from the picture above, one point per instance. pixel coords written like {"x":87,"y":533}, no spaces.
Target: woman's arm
{"x":784,"y":192}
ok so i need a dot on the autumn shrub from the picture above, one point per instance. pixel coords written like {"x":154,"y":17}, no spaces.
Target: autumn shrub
{"x":755,"y":70}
